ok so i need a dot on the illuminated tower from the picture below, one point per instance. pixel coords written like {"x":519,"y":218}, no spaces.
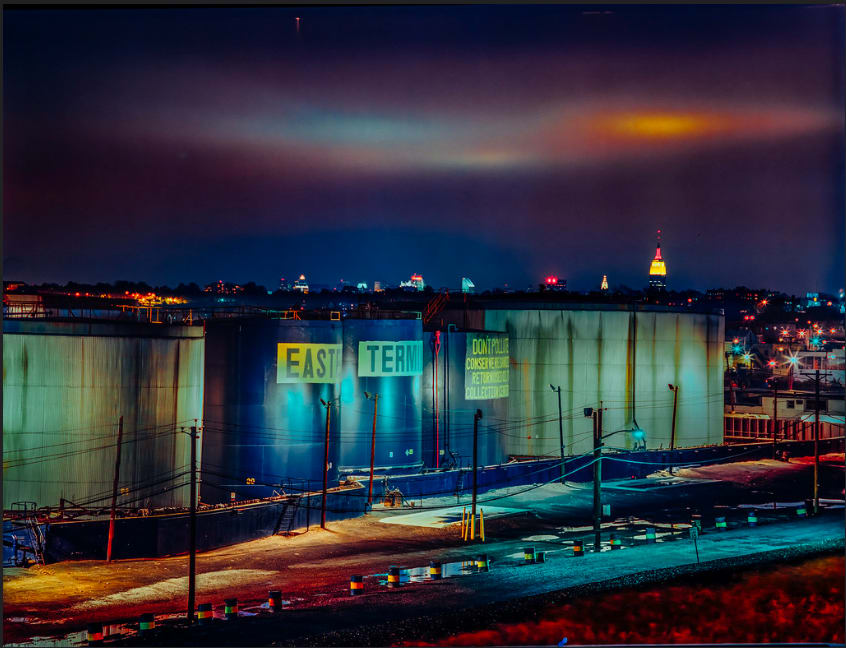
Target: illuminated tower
{"x":604,"y":285}
{"x":657,"y":269}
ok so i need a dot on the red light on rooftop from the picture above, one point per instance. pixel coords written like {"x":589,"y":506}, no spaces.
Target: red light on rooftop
{"x":552,"y":280}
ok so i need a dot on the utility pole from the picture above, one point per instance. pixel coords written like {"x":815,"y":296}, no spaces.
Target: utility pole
{"x":328,"y":407}
{"x":560,"y":429}
{"x":775,"y":422}
{"x":114,"y":493}
{"x":192,"y":529}
{"x":675,"y":390}
{"x":375,"y":398}
{"x":476,"y":417}
{"x":597,"y":476}
{"x":817,"y":442}
{"x":816,"y":375}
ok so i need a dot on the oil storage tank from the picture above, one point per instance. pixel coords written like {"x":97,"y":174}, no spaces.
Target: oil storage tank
{"x":382,"y":357}
{"x":65,"y":386}
{"x":264,"y":424}
{"x":622,"y":358}
{"x":465,"y":371}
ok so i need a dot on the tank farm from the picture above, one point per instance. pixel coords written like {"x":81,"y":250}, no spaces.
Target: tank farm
{"x":274,"y":397}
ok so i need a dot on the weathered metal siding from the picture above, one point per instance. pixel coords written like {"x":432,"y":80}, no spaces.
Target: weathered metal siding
{"x":623,"y":358}
{"x":254,"y":426}
{"x":448,"y":416}
{"x":398,"y":418}
{"x":65,"y":385}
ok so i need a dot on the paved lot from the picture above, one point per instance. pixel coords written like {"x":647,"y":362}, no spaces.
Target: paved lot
{"x":313,"y":569}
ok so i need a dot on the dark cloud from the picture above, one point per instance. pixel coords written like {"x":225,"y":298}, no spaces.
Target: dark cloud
{"x":500,"y":142}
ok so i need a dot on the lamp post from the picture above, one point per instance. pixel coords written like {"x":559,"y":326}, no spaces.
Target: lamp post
{"x":476,"y":418}
{"x":375,"y":399}
{"x":560,"y":428}
{"x":675,"y":390}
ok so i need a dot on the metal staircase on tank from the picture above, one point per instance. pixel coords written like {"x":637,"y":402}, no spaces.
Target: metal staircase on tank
{"x":286,"y":516}
{"x":435,"y":306}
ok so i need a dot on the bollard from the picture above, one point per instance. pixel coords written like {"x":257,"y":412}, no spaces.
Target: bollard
{"x":482,"y":524}
{"x":650,"y":535}
{"x":434,"y":570}
{"x":540,"y":556}
{"x":809,"y":506}
{"x":463,"y":521}
{"x":95,"y":634}
{"x":529,"y":555}
{"x":205,"y":613}
{"x":230,"y":608}
{"x":752,"y":518}
{"x":720,"y":523}
{"x":482,"y":563}
{"x":274,"y":600}
{"x":356,"y":585}
{"x":802,"y":511}
{"x":616,"y":543}
{"x":146,"y":623}
{"x":578,"y":548}
{"x":393,"y":576}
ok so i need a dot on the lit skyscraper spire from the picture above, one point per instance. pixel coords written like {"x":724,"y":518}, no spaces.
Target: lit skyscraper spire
{"x":657,"y":269}
{"x":604,"y":285}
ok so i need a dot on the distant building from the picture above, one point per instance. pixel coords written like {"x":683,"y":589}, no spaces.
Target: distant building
{"x":658,"y":269}
{"x":604,"y":285}
{"x":812,"y":300}
{"x":284,"y":284}
{"x":554,"y":283}
{"x":223,"y":288}
{"x":301,"y":284}
{"x":416,"y":282}
{"x":361,"y":286}
{"x":377,"y":286}
{"x":467,"y":285}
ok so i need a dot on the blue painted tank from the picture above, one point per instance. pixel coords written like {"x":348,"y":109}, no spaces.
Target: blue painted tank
{"x":465,"y":371}
{"x":383,"y":357}
{"x":263,"y":419}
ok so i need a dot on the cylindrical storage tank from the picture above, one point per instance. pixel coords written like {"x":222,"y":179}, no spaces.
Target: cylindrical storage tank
{"x":383,"y":357}
{"x":622,"y":356}
{"x":65,"y":386}
{"x":465,"y":371}
{"x":264,"y":419}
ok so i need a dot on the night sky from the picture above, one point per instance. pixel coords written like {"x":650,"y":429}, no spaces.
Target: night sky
{"x":499,"y":143}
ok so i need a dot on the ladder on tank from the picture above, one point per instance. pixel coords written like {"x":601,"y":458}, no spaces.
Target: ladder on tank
{"x":286,"y":516}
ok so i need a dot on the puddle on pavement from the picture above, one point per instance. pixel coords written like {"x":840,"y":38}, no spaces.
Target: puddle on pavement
{"x":72,"y":639}
{"x":421,"y":574}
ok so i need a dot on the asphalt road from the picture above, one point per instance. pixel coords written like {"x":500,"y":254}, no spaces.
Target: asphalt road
{"x":312,"y":570}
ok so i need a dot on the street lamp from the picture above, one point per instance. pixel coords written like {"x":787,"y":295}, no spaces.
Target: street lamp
{"x":375,"y":399}
{"x":560,"y":427}
{"x":476,"y":418}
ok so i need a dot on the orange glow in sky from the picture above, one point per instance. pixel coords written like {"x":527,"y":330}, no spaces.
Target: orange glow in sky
{"x":662,"y":125}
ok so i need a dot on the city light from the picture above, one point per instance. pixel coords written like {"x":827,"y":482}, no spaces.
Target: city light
{"x":772,"y":363}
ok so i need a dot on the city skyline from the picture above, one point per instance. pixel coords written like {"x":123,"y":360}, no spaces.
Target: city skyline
{"x":503,"y":144}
